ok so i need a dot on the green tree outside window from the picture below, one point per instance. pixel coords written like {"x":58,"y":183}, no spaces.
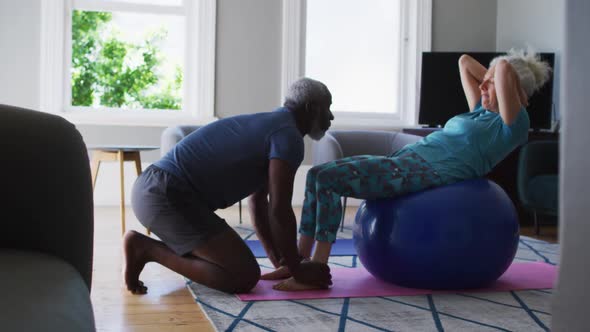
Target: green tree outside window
{"x":102,"y":73}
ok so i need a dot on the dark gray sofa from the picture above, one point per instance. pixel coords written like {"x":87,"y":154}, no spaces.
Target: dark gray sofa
{"x":46,"y":213}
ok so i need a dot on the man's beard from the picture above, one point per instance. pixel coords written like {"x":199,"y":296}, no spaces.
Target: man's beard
{"x":316,"y":133}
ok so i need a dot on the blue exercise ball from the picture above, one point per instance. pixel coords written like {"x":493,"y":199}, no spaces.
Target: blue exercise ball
{"x":457,"y":236}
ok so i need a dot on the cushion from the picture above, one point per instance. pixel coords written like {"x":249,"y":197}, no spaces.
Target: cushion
{"x":42,"y":293}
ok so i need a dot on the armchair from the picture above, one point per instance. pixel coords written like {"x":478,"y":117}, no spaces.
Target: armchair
{"x":337,"y":144}
{"x":46,"y":213}
{"x":172,"y":135}
{"x":538,"y":180}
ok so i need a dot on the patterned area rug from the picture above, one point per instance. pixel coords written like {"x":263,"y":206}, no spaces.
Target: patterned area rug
{"x":501,"y":311}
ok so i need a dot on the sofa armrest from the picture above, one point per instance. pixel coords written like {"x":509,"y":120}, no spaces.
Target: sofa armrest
{"x":47,"y":203}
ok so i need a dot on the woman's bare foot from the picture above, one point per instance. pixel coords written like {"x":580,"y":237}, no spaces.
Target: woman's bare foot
{"x":136,"y":248}
{"x":291,"y":285}
{"x":281,"y":273}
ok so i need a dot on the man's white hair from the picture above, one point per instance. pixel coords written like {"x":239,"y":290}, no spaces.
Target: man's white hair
{"x":533,"y":72}
{"x":307,"y":91}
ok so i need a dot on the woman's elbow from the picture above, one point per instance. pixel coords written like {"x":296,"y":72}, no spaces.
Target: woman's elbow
{"x":464,"y":60}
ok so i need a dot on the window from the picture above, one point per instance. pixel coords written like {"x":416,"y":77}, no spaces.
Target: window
{"x":128,"y":61}
{"x":367,"y":52}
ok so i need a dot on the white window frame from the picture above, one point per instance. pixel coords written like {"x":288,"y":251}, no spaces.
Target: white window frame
{"x":199,"y":73}
{"x":416,"y":29}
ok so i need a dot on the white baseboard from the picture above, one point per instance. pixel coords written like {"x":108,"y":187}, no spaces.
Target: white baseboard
{"x":107,"y":191}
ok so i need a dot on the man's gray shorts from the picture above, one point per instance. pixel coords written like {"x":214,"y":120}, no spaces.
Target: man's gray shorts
{"x":173,"y":211}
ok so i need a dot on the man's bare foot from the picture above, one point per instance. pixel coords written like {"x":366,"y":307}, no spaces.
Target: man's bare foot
{"x":281,"y":273}
{"x":291,"y":285}
{"x":136,"y":248}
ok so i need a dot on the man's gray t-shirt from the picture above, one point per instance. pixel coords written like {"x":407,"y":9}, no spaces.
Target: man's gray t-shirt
{"x":228,"y":159}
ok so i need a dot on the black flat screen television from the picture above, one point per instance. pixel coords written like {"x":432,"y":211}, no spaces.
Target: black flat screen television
{"x":442,"y":96}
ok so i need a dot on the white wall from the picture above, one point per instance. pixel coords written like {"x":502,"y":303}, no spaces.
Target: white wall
{"x":248,"y":68}
{"x":19,"y":53}
{"x":464,"y":25}
{"x":539,"y":23}
{"x":572,"y":300}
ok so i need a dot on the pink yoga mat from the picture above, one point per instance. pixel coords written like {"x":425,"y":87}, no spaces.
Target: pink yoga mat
{"x":358,"y":282}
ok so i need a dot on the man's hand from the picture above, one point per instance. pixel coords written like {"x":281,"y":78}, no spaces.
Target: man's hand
{"x":258,"y":208}
{"x":313,"y":273}
{"x":274,"y":257}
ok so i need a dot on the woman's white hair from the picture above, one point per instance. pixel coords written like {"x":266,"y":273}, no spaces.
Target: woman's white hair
{"x":533,"y":72}
{"x":307,"y":91}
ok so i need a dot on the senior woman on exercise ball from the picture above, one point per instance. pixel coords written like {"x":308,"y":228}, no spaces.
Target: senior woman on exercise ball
{"x":469,"y":146}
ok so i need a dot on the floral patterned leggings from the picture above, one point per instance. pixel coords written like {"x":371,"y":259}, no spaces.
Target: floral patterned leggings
{"x":364,"y":177}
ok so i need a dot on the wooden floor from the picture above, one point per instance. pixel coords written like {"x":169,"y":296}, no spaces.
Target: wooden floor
{"x":168,"y":306}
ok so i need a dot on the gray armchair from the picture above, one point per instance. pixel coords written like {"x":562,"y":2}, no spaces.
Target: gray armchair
{"x":337,"y":144}
{"x":538,"y":180}
{"x":172,"y":135}
{"x":46,"y":213}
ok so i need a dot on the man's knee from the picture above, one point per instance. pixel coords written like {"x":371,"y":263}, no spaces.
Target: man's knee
{"x":246,"y":278}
